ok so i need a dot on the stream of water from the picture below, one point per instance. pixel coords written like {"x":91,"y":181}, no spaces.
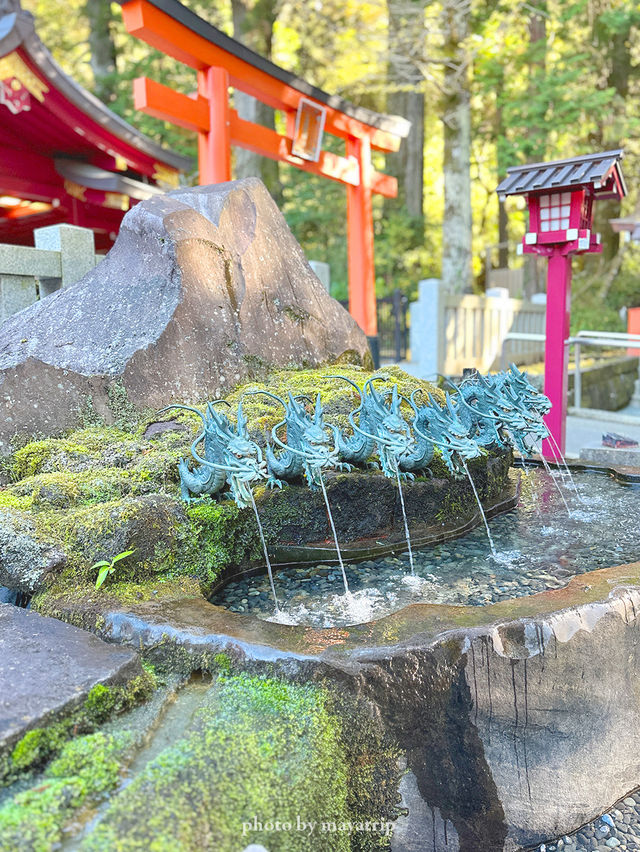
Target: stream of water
{"x":548,"y":538}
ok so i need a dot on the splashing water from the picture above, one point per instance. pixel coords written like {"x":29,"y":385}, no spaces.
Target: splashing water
{"x":335,"y":534}
{"x":484,"y":517}
{"x":554,"y":444}
{"x":277,"y":613}
{"x":549,"y":546}
{"x":548,"y":470}
{"x":406,"y":525}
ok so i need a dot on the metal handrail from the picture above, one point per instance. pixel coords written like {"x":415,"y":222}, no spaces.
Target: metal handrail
{"x":604,"y":339}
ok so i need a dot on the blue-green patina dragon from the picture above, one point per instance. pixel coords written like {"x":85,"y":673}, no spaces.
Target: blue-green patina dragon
{"x":230,"y":457}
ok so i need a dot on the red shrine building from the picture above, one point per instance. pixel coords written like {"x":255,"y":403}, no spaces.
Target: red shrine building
{"x":65,"y":156}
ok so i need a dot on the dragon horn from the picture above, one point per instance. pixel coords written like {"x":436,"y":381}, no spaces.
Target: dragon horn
{"x":318,"y":412}
{"x":450,"y":406}
{"x":241,"y":426}
{"x":395,"y":402}
{"x":183,"y":408}
{"x":266,"y":393}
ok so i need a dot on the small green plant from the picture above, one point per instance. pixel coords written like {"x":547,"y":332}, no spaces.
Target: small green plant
{"x":107,"y":567}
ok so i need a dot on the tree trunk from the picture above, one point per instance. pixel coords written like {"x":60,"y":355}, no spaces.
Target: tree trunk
{"x":407,"y":164}
{"x":456,"y":226}
{"x":533,"y":280}
{"x":256,"y":33}
{"x":617,"y":43}
{"x":103,"y":49}
{"x":405,"y":98}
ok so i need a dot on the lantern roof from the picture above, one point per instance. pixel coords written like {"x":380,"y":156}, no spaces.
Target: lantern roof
{"x":601,"y":172}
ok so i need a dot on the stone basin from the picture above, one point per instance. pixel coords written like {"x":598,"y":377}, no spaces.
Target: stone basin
{"x":519,"y":720}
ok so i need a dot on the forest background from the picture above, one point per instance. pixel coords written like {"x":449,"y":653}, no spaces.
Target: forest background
{"x":486,"y":85}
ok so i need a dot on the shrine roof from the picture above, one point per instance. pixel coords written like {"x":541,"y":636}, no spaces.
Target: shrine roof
{"x":17,"y":34}
{"x":590,"y":169}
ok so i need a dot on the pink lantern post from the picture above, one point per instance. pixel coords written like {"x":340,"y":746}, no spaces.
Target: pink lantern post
{"x":560,"y":196}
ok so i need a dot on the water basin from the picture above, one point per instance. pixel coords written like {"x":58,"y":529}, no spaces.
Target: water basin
{"x":538,"y":546}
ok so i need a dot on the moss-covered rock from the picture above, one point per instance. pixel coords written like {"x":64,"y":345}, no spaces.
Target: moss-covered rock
{"x":103,"y":490}
{"x":87,"y":767}
{"x":39,"y":745}
{"x":262,"y":751}
{"x":29,"y":557}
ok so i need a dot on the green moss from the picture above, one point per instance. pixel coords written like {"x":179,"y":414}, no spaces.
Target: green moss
{"x":95,"y":759}
{"x":32,"y":821}
{"x":125,"y":414}
{"x":86,"y":768}
{"x":40,"y":744}
{"x":264,"y":748}
{"x":220,"y":534}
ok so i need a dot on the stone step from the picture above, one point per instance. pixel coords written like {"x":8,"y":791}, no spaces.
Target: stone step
{"x":47,"y":668}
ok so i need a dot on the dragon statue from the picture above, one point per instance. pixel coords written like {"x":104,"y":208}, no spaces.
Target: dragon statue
{"x":495,"y":407}
{"x":446,"y":430}
{"x":230,"y":457}
{"x":308,"y":449}
{"x":390,"y":434}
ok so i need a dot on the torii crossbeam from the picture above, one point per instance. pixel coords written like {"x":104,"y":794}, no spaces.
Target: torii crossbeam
{"x":222,"y":62}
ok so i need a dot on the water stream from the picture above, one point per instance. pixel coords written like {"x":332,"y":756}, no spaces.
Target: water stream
{"x":406,"y":525}
{"x":557,"y":452}
{"x":484,"y":517}
{"x":335,"y":534}
{"x":266,"y":556}
{"x":555,"y":482}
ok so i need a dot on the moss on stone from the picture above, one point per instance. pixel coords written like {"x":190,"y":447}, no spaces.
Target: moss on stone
{"x":263,"y":748}
{"x":102,"y":490}
{"x":39,"y":745}
{"x":86,"y":768}
{"x":54,"y":600}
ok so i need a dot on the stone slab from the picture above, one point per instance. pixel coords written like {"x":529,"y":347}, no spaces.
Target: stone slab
{"x":502,"y":711}
{"x":48,"y":667}
{"x":620,"y":457}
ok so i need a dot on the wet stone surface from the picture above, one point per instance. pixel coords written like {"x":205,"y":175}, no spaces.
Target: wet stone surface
{"x":539,"y":546}
{"x":618,"y":829}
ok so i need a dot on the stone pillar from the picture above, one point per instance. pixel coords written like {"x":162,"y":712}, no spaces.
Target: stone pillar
{"x":77,"y":254}
{"x":426,"y":328}
{"x":323,"y":271}
{"x":16,"y":292}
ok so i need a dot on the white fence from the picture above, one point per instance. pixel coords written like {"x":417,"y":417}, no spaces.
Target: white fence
{"x":63,"y":254}
{"x":450,"y":332}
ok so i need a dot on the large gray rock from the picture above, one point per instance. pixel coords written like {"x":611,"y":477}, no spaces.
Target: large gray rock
{"x":203,"y":288}
{"x":27,"y":560}
{"x":47,"y":668}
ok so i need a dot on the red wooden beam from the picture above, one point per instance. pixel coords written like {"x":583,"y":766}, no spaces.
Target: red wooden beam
{"x":193,"y":114}
{"x":362,"y":288}
{"x":161,"y":31}
{"x":168,"y":105}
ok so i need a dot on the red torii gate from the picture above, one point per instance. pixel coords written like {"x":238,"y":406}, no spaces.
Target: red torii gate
{"x":222,"y":62}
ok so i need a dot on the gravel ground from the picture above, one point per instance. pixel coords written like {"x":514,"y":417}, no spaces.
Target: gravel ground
{"x":617,"y":829}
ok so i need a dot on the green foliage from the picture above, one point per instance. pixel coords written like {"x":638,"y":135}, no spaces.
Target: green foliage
{"x":86,"y":768}
{"x":264,"y":748}
{"x":108,"y":567}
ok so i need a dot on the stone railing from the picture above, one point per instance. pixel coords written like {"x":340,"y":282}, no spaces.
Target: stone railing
{"x":62,"y":255}
{"x":450,"y":332}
